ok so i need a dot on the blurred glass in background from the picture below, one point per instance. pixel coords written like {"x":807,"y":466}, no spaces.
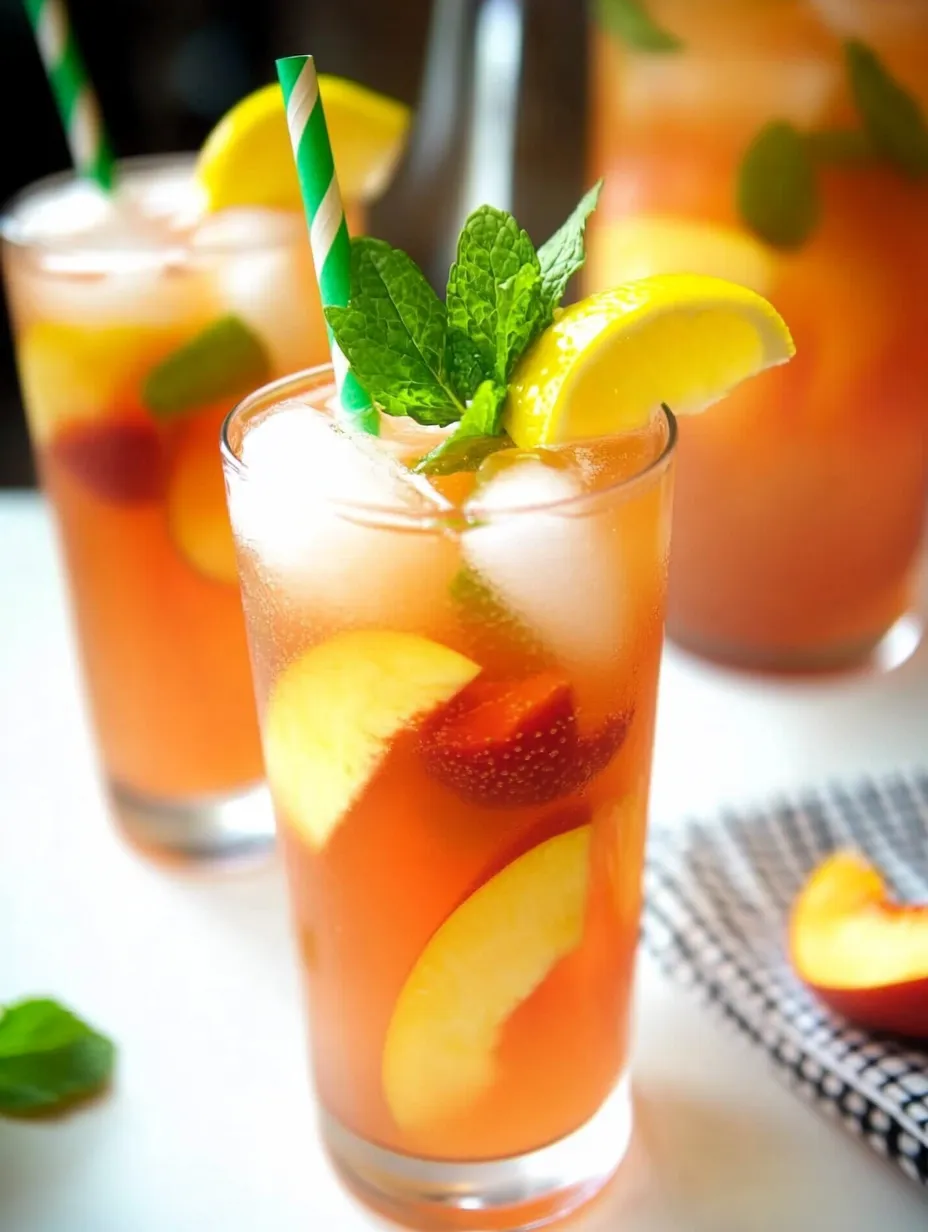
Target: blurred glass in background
{"x":501,"y":82}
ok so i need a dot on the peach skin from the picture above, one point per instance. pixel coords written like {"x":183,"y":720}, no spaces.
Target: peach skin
{"x":864,"y":955}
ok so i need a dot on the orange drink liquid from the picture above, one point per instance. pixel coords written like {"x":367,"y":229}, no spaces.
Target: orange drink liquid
{"x":800,"y":502}
{"x":111,"y":302}
{"x":456,"y":682}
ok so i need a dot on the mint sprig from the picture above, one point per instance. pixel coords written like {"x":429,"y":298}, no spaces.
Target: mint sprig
{"x":630,"y":21}
{"x":451,"y":363}
{"x":777,"y":187}
{"x":49,"y":1058}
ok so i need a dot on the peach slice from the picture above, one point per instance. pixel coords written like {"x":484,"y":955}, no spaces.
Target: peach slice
{"x":863,"y":954}
{"x":119,"y":460}
{"x":196,"y":503}
{"x":481,"y":964}
{"x":515,"y":743}
{"x":333,"y":712}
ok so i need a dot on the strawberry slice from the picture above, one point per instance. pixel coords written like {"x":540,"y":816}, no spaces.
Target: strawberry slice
{"x":119,"y":460}
{"x":516,"y":743}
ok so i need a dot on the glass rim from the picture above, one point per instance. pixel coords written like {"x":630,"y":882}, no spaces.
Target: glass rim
{"x":321,"y":375}
{"x":172,"y":246}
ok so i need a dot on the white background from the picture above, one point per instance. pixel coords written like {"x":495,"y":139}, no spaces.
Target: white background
{"x":210,"y":1127}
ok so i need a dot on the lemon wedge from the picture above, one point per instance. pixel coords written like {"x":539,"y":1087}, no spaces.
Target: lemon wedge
{"x":247,"y":160}
{"x":609,"y":361}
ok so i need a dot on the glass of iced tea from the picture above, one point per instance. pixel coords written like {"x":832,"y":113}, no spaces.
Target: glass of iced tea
{"x":782,"y":144}
{"x":456,"y":681}
{"x":138,"y":322}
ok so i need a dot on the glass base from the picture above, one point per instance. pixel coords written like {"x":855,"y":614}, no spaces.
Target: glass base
{"x":522,"y":1192}
{"x":880,"y":654}
{"x":234,"y":826}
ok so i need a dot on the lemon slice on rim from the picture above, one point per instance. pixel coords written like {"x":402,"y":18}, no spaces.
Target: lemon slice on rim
{"x":609,"y":361}
{"x":247,"y":160}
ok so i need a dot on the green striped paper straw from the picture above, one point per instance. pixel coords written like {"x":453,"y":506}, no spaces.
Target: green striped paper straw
{"x":325,"y":216}
{"x":74,"y":95}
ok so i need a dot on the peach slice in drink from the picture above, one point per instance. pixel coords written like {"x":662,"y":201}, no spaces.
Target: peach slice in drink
{"x":333,"y":713}
{"x":485,"y":960}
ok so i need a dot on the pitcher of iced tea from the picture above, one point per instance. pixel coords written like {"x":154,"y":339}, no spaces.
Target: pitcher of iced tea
{"x":783,"y":144}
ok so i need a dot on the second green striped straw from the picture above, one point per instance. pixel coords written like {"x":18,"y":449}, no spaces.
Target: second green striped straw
{"x":325,"y":215}
{"x":74,"y":96}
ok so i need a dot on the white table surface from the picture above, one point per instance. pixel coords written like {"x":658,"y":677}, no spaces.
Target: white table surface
{"x":210,"y":1125}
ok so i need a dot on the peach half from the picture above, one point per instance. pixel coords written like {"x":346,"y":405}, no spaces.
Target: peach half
{"x":864,"y":955}
{"x":334,"y":711}
{"x":482,"y":963}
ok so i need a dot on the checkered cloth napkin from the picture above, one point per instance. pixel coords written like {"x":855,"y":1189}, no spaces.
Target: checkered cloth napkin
{"x":718,"y":896}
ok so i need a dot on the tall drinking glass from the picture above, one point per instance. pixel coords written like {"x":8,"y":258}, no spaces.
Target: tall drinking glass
{"x":800,"y":502}
{"x":138,"y":322}
{"x":456,"y":685}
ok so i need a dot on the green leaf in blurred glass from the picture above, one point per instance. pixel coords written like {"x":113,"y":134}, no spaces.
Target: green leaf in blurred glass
{"x":891,"y":115}
{"x":777,"y":192}
{"x":630,"y":21}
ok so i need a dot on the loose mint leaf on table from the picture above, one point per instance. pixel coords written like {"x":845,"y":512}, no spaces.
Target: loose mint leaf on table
{"x":777,"y":191}
{"x":394,"y":334}
{"x":477,"y":435}
{"x":225,"y":361}
{"x":49,"y":1058}
{"x":563,"y":254}
{"x":494,"y":290}
{"x":630,"y":21}
{"x":892,"y":116}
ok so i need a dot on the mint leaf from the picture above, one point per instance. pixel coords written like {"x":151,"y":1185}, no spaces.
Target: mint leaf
{"x":475,"y":438}
{"x":520,"y":317}
{"x":394,"y":333}
{"x":49,"y":1058}
{"x":465,"y":366}
{"x":563,"y":254}
{"x":490,"y":293}
{"x":630,"y":21}
{"x":777,"y":192}
{"x":224,"y":362}
{"x":891,"y":115}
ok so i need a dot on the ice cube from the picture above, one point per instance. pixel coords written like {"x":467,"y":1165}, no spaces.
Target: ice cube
{"x":263,"y":269}
{"x":299,"y":508}
{"x":555,"y":567}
